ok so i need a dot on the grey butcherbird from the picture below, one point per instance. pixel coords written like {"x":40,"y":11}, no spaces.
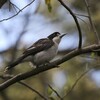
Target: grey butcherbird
{"x":41,"y":51}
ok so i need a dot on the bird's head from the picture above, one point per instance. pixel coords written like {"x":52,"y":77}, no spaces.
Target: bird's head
{"x":56,"y":37}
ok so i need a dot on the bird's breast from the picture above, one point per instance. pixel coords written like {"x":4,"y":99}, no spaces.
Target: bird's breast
{"x":45,"y":56}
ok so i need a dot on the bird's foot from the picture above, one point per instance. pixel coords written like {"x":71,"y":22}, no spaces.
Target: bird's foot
{"x":45,"y":64}
{"x":6,"y":70}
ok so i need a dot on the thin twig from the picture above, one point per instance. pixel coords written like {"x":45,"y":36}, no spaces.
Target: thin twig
{"x":26,"y":85}
{"x":76,"y":21}
{"x":14,"y":6}
{"x":17,"y":12}
{"x":9,"y":5}
{"x":73,"y":86}
{"x":82,"y":15}
{"x":84,"y":22}
{"x":55,"y":92}
{"x":2,"y":2}
{"x":91,"y":21}
{"x":79,"y":78}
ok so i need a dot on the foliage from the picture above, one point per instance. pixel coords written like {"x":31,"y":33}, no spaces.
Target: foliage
{"x":48,"y":3}
{"x":76,"y":76}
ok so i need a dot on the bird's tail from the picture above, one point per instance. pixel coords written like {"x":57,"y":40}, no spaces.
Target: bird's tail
{"x":16,"y":62}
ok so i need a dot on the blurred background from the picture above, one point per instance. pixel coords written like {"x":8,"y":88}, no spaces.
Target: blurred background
{"x":38,"y":21}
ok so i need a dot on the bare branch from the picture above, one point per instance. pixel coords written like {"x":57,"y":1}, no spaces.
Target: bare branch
{"x":24,"y":84}
{"x":13,"y":5}
{"x":53,"y":64}
{"x":84,"y":22}
{"x":73,"y":86}
{"x":78,"y":79}
{"x":91,"y":21}
{"x":17,"y":12}
{"x":76,"y":21}
{"x":2,"y":2}
{"x":55,"y":92}
{"x":82,"y":15}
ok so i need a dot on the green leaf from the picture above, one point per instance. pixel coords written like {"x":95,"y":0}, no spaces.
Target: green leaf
{"x":49,"y":91}
{"x":92,"y":54}
{"x":48,"y":3}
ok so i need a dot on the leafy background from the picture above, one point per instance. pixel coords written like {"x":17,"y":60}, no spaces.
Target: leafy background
{"x":39,"y":20}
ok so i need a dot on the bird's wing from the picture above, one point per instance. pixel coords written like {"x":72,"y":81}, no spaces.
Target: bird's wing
{"x":40,"y":45}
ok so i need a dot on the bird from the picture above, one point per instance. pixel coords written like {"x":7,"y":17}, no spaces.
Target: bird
{"x":41,"y":52}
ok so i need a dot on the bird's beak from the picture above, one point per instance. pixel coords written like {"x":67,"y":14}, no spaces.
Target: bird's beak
{"x":62,"y":35}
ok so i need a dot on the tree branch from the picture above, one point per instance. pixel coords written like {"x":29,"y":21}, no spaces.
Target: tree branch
{"x":17,"y":12}
{"x":78,"y":79}
{"x":91,"y":21}
{"x":53,"y":64}
{"x":2,"y":2}
{"x":24,"y":84}
{"x":13,"y":5}
{"x":55,"y":92}
{"x":73,"y":86}
{"x":81,"y":15}
{"x":76,"y":21}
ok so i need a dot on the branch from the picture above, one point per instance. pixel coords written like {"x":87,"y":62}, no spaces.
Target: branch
{"x":54,"y":64}
{"x":13,"y":5}
{"x":55,"y":92}
{"x":84,"y":22}
{"x":81,"y":15}
{"x":91,"y":21}
{"x":76,"y":21}
{"x":2,"y":2}
{"x":24,"y":84}
{"x":80,"y":77}
{"x":17,"y":12}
